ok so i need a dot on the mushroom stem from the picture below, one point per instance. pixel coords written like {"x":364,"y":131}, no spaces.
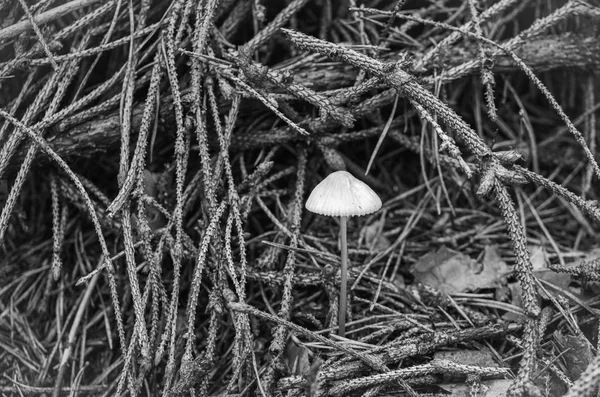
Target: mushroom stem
{"x":344,"y":282}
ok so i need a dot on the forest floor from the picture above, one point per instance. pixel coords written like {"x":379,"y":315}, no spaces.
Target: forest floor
{"x":155,"y":162}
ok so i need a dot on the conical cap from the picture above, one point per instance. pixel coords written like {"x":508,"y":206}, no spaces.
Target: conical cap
{"x":341,"y":194}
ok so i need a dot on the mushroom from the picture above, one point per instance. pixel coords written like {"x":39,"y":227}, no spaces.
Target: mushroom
{"x":341,"y":194}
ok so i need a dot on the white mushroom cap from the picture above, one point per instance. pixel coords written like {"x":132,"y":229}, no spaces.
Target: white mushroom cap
{"x":341,"y":194}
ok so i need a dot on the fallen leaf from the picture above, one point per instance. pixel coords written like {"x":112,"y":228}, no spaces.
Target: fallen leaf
{"x":295,"y":357}
{"x":374,"y":238}
{"x":540,"y":262}
{"x":577,"y":353}
{"x":492,"y":388}
{"x":538,"y":257}
{"x":452,"y":272}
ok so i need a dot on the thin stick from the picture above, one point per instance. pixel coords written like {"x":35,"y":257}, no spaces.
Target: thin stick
{"x":50,"y":15}
{"x":84,"y":304}
{"x":344,"y":284}
{"x":39,"y":34}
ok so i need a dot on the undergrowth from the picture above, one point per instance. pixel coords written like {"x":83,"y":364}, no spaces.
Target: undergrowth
{"x":155,"y":158}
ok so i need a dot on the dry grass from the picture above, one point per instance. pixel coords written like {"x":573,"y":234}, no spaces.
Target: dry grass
{"x":184,"y":263}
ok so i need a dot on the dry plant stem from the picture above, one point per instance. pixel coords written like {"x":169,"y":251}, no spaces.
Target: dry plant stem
{"x":523,"y":268}
{"x":418,"y":347}
{"x":24,"y":389}
{"x":181,"y":157}
{"x":507,"y":48}
{"x":107,"y":263}
{"x":13,"y":140}
{"x":103,"y":132}
{"x":201,"y":260}
{"x":199,"y":42}
{"x":448,"y":143}
{"x":486,"y":64}
{"x":587,"y":384}
{"x":58,"y":228}
{"x":83,"y":305}
{"x":105,"y":40}
{"x":545,"y":361}
{"x":99,"y":51}
{"x":278,"y":344}
{"x":281,"y":18}
{"x":454,"y":36}
{"x":588,"y":270}
{"x":255,"y":73}
{"x":126,"y":103}
{"x":140,"y":149}
{"x":365,"y":358}
{"x":523,"y":381}
{"x":39,"y":34}
{"x":572,"y":7}
{"x":61,"y":78}
{"x":134,"y":286}
{"x":234,"y":199}
{"x":243,"y":338}
{"x":267,"y":102}
{"x":8,"y":149}
{"x":27,"y":86}
{"x":590,"y":208}
{"x":590,"y":128}
{"x":344,"y":281}
{"x":444,"y":367}
{"x":87,"y":19}
{"x":126,"y":373}
{"x":362,"y":357}
{"x":128,"y":239}
{"x":40,"y":142}
{"x":397,"y":79}
{"x":50,"y":15}
{"x":382,"y":39}
{"x":386,"y":128}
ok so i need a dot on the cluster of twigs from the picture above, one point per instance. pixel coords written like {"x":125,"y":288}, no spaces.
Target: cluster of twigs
{"x":201,"y":273}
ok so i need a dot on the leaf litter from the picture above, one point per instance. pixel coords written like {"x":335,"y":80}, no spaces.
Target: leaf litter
{"x":154,"y":163}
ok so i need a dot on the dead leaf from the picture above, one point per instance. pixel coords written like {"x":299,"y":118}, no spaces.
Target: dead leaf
{"x":494,"y":388}
{"x":516,"y":294}
{"x":538,"y":257}
{"x":540,"y":262}
{"x":374,"y":238}
{"x":295,"y":357}
{"x":577,"y":353}
{"x":453,"y":272}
